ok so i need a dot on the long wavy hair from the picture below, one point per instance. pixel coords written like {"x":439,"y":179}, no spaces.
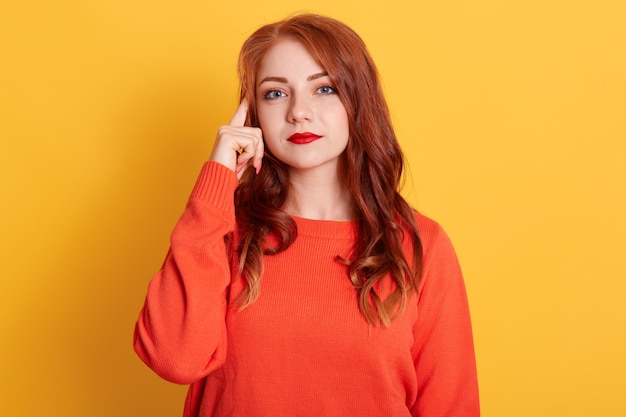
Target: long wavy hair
{"x":373,"y":163}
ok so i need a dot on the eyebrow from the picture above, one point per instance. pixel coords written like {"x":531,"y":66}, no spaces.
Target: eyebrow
{"x":284,"y":80}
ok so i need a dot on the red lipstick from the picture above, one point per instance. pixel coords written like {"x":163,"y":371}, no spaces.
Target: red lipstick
{"x":303,"y":138}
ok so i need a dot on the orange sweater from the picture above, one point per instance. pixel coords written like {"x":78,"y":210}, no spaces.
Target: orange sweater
{"x":303,"y":348}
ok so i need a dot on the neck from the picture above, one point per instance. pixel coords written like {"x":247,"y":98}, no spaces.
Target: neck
{"x":319,"y":197}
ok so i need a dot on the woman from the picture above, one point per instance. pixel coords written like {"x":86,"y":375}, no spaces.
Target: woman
{"x":299,"y":282}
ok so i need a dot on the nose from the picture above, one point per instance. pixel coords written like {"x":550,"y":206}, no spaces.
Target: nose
{"x":300,"y":109}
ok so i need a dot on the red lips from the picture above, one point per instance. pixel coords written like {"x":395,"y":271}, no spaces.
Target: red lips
{"x":303,"y":138}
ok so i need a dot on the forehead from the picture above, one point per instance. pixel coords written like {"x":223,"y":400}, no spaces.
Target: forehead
{"x":286,"y":58}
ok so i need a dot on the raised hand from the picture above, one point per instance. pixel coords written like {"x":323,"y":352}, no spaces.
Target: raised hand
{"x":238,"y":146}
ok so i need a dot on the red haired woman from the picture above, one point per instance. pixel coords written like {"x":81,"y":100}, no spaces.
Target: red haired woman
{"x":299,"y":282}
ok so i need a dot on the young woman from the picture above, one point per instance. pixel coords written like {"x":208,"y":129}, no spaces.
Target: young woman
{"x":299,"y":282}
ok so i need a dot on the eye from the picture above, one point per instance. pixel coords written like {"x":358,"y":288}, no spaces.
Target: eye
{"x":273,"y":95}
{"x":326,"y":89}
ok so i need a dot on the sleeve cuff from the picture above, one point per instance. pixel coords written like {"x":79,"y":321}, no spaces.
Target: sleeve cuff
{"x":216,"y":185}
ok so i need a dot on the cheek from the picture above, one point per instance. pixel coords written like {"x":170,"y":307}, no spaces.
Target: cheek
{"x":260,"y":116}
{"x":341,"y":121}
{"x":268,"y":128}
{"x":266,"y":119}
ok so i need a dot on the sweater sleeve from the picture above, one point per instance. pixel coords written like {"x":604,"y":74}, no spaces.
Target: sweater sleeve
{"x":181,"y":332}
{"x":444,"y":350}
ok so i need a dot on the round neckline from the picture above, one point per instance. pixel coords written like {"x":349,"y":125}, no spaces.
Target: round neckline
{"x":331,"y":229}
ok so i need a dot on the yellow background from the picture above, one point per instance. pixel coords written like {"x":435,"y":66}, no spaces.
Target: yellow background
{"x":512,"y":114}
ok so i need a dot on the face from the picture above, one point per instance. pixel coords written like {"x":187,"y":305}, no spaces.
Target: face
{"x":304,"y":123}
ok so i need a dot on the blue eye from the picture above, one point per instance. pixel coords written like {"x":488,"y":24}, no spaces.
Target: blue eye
{"x":273,"y":94}
{"x":326,"y":89}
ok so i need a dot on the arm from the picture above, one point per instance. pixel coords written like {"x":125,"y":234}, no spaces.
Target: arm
{"x":180,"y":332}
{"x":444,"y":349}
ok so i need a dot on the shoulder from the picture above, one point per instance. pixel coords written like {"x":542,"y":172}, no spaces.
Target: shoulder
{"x":441,"y":272}
{"x":426,"y":226}
{"x":430,"y":231}
{"x":434,"y":239}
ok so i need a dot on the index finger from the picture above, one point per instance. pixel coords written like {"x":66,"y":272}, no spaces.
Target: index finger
{"x":239,"y":118}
